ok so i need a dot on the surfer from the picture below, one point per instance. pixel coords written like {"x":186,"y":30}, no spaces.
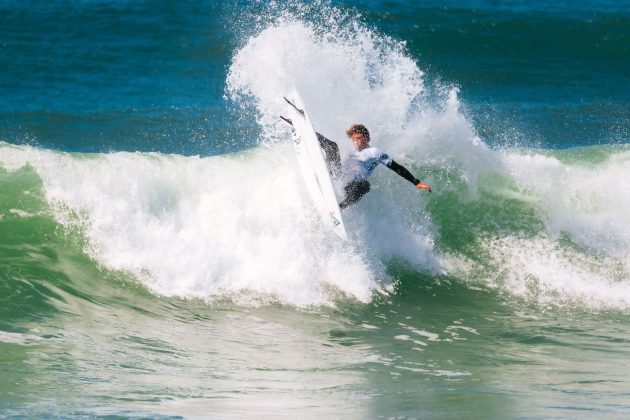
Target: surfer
{"x":358,"y":166}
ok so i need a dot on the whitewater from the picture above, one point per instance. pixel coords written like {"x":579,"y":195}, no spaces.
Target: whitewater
{"x":240,"y":223}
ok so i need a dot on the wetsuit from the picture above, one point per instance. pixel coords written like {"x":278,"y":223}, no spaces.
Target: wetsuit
{"x":357,"y":168}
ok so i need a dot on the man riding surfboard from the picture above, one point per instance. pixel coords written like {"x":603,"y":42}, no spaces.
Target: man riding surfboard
{"x":360,"y":164}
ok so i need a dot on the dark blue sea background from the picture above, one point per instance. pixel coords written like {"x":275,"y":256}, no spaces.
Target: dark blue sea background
{"x":150,"y":75}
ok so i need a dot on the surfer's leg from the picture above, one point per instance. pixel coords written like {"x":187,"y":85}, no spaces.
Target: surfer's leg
{"x":354,"y":192}
{"x":333,"y":159}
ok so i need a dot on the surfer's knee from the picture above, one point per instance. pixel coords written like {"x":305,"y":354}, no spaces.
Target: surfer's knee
{"x":358,"y":189}
{"x":364,"y":187}
{"x":354,"y":192}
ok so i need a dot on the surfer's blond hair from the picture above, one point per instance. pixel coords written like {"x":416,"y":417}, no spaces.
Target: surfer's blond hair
{"x":359,"y":129}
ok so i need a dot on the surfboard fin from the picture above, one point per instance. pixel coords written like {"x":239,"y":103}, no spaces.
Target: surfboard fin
{"x":301,"y":111}
{"x":286,"y":120}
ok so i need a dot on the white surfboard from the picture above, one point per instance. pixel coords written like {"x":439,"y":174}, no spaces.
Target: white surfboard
{"x":313,"y":166}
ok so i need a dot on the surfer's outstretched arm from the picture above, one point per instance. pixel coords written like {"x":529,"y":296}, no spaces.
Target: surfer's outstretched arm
{"x":403,"y":172}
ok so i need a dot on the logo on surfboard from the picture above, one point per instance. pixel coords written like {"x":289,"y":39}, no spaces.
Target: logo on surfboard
{"x":318,"y":184}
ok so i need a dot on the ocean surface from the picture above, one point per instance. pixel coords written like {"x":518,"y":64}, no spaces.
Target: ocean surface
{"x":159,"y":256}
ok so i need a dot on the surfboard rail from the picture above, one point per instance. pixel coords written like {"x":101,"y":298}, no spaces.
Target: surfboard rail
{"x":313,"y":165}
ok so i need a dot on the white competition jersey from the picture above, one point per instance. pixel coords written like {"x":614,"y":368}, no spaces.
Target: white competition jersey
{"x":359,"y":164}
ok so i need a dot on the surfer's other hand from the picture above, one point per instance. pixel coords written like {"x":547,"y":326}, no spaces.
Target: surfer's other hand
{"x":423,"y":186}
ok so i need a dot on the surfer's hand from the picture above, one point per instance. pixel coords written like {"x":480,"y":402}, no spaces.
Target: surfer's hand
{"x":423,"y":186}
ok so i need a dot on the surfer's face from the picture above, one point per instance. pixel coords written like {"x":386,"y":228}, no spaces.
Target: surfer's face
{"x":359,"y":141}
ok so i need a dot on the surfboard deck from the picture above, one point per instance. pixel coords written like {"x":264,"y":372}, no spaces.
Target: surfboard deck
{"x":313,"y":166}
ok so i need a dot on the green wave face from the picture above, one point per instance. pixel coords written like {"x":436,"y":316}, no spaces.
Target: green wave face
{"x":47,"y":269}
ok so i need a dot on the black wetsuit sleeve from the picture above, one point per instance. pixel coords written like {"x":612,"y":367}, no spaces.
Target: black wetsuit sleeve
{"x":402,"y":171}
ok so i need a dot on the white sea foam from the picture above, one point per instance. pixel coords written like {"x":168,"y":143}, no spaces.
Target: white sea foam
{"x":542,"y":270}
{"x":590,"y":203}
{"x":19,"y":338}
{"x":215,"y":226}
{"x":350,"y":74}
{"x":196,"y":227}
{"x":354,"y":76}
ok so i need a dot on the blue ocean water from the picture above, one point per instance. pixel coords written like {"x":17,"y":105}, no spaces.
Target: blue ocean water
{"x":95,"y":76}
{"x":159,"y":257}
